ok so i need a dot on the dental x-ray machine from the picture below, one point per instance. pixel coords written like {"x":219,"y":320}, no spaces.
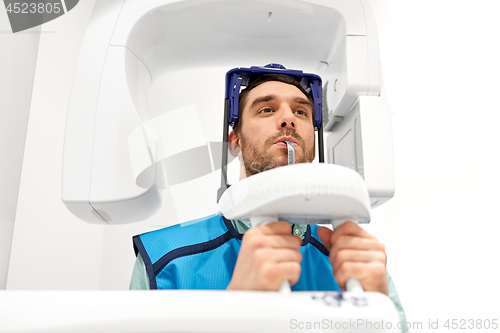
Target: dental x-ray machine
{"x":115,"y":152}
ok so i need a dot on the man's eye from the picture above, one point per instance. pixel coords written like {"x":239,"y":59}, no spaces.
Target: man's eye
{"x":303,"y":113}
{"x":266,"y":110}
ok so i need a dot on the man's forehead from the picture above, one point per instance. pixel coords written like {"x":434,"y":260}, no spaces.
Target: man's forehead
{"x":277,"y":89}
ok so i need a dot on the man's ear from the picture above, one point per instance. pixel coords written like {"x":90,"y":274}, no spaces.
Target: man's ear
{"x":234,"y":143}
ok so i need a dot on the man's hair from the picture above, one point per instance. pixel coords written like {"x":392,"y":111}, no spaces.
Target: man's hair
{"x":262,"y":79}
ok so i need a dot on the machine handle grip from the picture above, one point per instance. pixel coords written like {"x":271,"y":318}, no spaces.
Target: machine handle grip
{"x":353,"y":285}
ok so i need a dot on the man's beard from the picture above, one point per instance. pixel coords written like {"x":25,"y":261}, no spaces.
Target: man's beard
{"x":258,"y":159}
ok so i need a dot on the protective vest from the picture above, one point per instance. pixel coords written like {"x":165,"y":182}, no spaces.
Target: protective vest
{"x":201,"y":254}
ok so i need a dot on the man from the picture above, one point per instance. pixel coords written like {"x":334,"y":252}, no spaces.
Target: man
{"x":215,"y":253}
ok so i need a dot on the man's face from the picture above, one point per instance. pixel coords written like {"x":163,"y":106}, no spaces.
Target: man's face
{"x":274,"y":112}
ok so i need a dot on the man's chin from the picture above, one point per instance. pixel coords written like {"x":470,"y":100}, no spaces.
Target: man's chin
{"x":252,"y":170}
{"x":270,"y":161}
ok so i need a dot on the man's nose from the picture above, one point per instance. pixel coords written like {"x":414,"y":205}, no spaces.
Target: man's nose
{"x":287,"y":119}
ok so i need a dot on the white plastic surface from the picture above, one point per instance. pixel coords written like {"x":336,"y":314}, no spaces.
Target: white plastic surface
{"x":205,"y":27}
{"x":353,"y":70}
{"x":81,"y":116}
{"x":193,"y":311}
{"x":303,"y":193}
{"x":363,"y":141}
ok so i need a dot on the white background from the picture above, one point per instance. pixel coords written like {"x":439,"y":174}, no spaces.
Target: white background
{"x":442,"y":76}
{"x":441,"y":71}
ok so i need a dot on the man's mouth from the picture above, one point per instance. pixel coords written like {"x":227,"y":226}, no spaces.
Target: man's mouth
{"x":281,"y":141}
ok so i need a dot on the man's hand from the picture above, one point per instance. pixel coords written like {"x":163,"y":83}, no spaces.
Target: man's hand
{"x":354,"y":253}
{"x":268,"y":256}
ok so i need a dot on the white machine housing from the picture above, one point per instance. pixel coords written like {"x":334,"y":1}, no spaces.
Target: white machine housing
{"x":362,"y":141}
{"x":131,"y":45}
{"x":196,"y":311}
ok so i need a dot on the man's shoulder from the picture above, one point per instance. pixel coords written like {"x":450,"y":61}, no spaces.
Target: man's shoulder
{"x":193,"y":231}
{"x":161,"y":241}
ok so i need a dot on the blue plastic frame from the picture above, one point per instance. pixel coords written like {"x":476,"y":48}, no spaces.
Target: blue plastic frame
{"x":238,"y":77}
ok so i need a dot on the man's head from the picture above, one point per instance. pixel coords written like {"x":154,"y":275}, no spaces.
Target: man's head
{"x":273,"y":108}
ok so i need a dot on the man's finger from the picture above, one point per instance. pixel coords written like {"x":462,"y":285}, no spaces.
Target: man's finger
{"x":373,"y":275}
{"x":284,"y":241}
{"x":356,"y":243}
{"x":350,"y":229}
{"x":291,"y":271}
{"x":337,"y":258}
{"x":277,"y":255}
{"x":258,"y":241}
{"x":276,"y":228}
{"x":277,"y":273}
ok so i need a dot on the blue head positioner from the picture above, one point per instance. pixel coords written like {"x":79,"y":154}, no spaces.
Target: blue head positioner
{"x":237,"y":78}
{"x":240,"y":77}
